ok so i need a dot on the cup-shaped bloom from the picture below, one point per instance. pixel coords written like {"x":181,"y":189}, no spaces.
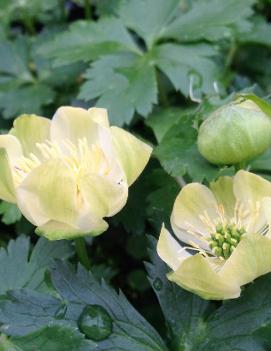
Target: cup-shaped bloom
{"x":226,"y":232}
{"x":67,"y":174}
{"x":235,"y":132}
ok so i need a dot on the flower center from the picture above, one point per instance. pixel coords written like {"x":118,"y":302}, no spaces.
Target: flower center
{"x":80,"y":158}
{"x":225,"y":239}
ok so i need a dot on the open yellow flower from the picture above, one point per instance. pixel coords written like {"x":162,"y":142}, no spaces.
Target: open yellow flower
{"x":228,"y":228}
{"x":67,"y":174}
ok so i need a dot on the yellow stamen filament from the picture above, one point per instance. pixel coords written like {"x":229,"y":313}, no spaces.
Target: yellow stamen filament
{"x":243,"y":221}
{"x":80,"y":159}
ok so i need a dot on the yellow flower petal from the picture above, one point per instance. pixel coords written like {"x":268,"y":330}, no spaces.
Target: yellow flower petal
{"x":250,"y":188}
{"x":132,"y":153}
{"x":73,"y":123}
{"x":194,"y":201}
{"x":99,"y":115}
{"x":31,"y":129}
{"x":104,"y":196}
{"x":223,"y":191}
{"x":53,"y":230}
{"x":49,"y":192}
{"x":12,"y":146}
{"x":197,"y":275}
{"x":169,"y":250}
{"x":251,"y":259}
{"x":7,"y":190}
{"x":10,"y":150}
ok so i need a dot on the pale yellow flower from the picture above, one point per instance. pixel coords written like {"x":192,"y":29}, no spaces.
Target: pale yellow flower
{"x":67,"y":174}
{"x":226,"y":229}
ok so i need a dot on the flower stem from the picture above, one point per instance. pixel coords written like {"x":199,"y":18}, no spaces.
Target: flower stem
{"x":230,"y":55}
{"x":87,"y":9}
{"x":240,"y":165}
{"x":81,"y":250}
{"x":29,"y":25}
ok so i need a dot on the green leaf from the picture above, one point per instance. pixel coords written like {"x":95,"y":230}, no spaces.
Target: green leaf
{"x":107,"y":7}
{"x":130,"y":330}
{"x":86,"y":41}
{"x":10,"y":213}
{"x":124,"y":84}
{"x":159,"y":13}
{"x":262,"y":163}
{"x":260,"y":34}
{"x":179,"y":155}
{"x":136,"y":204}
{"x":160,"y":201}
{"x":210,"y":20}
{"x":26,"y":99}
{"x":17,"y":270}
{"x":184,"y":312}
{"x":25,"y":10}
{"x":25,"y":311}
{"x":56,"y":338}
{"x":160,"y":121}
{"x":189,"y":67}
{"x":20,"y":91}
{"x":242,"y":324}
{"x":13,"y":61}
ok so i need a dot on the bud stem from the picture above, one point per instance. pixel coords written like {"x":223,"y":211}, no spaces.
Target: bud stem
{"x":81,"y":250}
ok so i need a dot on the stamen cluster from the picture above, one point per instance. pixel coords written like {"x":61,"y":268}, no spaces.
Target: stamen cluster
{"x":225,"y":239}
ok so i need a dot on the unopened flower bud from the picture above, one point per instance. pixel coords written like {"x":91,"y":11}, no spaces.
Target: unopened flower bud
{"x":235,"y":132}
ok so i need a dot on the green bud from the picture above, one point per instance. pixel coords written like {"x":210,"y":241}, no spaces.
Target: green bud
{"x":235,"y":132}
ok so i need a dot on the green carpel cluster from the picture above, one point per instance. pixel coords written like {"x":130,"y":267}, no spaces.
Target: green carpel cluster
{"x":225,"y":239}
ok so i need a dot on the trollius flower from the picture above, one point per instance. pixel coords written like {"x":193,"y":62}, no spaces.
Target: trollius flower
{"x":67,"y":174}
{"x":227,"y":232}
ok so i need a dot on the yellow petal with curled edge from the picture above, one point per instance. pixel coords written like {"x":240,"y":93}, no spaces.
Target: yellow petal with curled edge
{"x":104,"y":196}
{"x":198,"y":275}
{"x":132,"y":153}
{"x":250,"y":259}
{"x":7,"y":190}
{"x":54,"y":230}
{"x":74,"y":123}
{"x":250,"y":188}
{"x":194,"y":201}
{"x":169,"y":250}
{"x":223,"y":191}
{"x":99,"y":115}
{"x":29,"y":130}
{"x":50,"y":194}
{"x":12,"y":146}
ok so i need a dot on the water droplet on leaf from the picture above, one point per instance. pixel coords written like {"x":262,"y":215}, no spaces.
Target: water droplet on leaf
{"x":95,"y":323}
{"x":157,"y":284}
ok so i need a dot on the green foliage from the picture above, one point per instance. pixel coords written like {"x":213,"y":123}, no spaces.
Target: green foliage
{"x":196,"y":324}
{"x":160,"y":68}
{"x":19,"y":271}
{"x":19,"y":90}
{"x":10,"y":213}
{"x":31,"y":317}
{"x":52,"y":338}
{"x":123,"y":76}
{"x":179,"y":155}
{"x":211,"y":20}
